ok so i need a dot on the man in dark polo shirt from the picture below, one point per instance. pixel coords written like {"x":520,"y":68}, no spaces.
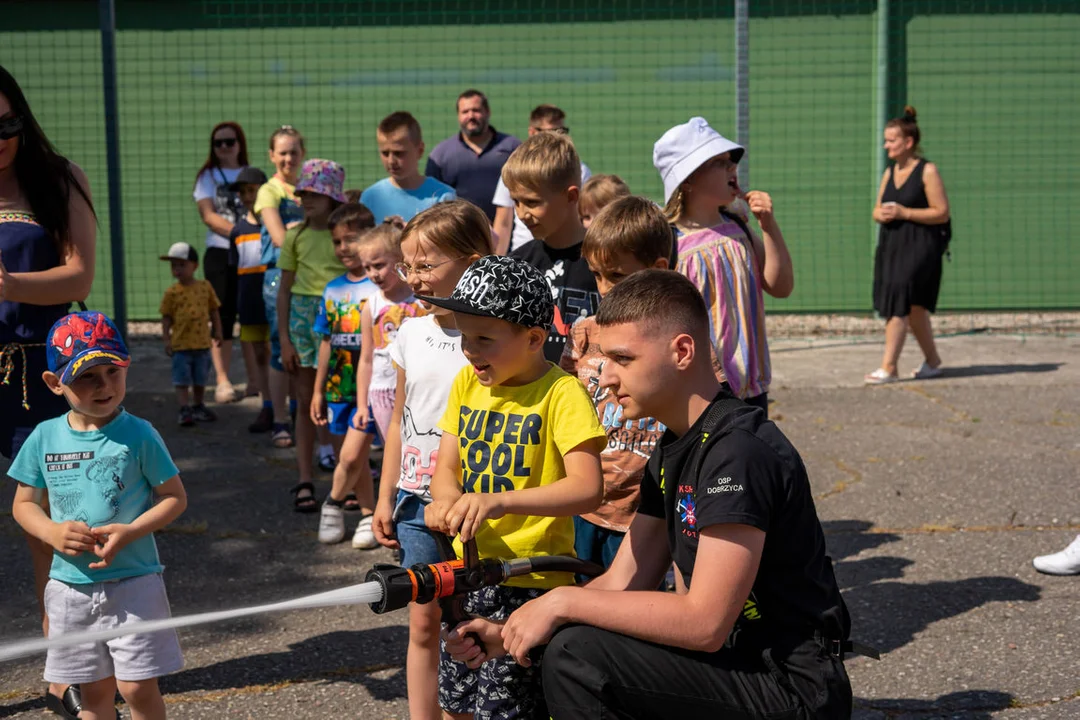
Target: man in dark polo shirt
{"x":470,"y":162}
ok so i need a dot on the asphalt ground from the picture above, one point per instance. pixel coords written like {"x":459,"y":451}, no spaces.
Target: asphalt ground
{"x":934,"y":496}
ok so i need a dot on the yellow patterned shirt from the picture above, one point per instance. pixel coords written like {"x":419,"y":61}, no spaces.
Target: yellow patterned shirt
{"x":190,"y":306}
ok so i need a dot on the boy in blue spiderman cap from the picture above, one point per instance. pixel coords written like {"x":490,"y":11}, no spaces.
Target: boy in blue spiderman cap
{"x":109,"y":482}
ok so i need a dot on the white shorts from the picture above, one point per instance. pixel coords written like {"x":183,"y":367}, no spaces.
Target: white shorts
{"x":103,"y":606}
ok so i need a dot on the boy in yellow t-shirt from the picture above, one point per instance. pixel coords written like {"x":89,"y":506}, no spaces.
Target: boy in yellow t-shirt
{"x":519,"y":457}
{"x":189,"y":310}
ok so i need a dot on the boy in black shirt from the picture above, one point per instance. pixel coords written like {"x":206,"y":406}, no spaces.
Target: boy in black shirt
{"x":543,"y":176}
{"x":761,"y":630}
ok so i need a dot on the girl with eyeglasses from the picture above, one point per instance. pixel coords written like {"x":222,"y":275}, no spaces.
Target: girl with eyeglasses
{"x":220,"y":208}
{"x":48,"y":234}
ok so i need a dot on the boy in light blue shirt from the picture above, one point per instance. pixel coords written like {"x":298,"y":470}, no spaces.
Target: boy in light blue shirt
{"x":109,"y":482}
{"x":406,"y":192}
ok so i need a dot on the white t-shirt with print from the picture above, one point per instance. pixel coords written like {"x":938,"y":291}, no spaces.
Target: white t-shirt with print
{"x":206,"y":187}
{"x":431,"y":357}
{"x":502,"y":199}
{"x":386,"y":321}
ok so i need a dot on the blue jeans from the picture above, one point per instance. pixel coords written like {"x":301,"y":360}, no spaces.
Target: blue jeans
{"x":594,"y":543}
{"x":190,"y":368}
{"x":417,"y":544}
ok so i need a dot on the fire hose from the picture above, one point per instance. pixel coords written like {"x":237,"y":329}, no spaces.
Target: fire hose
{"x":451,"y":579}
{"x":447,"y":581}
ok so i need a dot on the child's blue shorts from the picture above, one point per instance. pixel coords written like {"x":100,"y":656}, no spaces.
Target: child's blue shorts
{"x":190,"y":368}
{"x":341,"y":418}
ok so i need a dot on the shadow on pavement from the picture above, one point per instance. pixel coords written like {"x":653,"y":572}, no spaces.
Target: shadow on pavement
{"x":887,"y":612}
{"x":845,"y":538}
{"x":351,"y":656}
{"x":37,"y":703}
{"x":976,"y":370}
{"x":965,"y":705}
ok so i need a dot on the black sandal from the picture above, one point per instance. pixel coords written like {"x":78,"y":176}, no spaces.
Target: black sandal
{"x":69,"y":706}
{"x":306,"y":504}
{"x":351,"y":503}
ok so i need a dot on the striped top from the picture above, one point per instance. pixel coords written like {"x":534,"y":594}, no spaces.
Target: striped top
{"x":720,"y":262}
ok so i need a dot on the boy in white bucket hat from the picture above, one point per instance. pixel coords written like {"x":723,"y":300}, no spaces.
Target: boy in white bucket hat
{"x":729,"y":264}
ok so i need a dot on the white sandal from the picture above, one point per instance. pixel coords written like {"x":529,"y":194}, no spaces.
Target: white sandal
{"x":925,"y":372}
{"x":224,"y":394}
{"x":879,"y":377}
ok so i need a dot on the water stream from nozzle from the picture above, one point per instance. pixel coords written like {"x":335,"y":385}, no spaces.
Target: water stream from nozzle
{"x":362,"y":594}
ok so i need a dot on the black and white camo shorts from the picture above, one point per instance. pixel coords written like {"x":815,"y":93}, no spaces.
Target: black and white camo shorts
{"x":500,"y":689}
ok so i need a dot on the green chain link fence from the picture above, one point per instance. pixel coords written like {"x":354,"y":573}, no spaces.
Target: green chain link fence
{"x":997,"y":86}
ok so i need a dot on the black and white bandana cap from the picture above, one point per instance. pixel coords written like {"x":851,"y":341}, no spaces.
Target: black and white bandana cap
{"x":502,"y":287}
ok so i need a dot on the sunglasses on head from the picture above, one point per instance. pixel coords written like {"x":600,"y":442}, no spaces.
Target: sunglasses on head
{"x":224,"y":142}
{"x":10,"y":127}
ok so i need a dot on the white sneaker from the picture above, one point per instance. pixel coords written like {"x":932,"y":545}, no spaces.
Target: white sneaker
{"x":331,"y":525}
{"x":925,"y":372}
{"x":1066,"y":562}
{"x":364,"y":537}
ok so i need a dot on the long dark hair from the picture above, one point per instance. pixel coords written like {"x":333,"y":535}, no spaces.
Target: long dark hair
{"x":211,"y":159}
{"x":45,"y":176}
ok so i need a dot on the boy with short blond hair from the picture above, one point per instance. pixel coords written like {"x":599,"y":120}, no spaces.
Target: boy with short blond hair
{"x":405,"y":192}
{"x":629,"y":235}
{"x":544,"y":179}
{"x":509,"y":231}
{"x":519,"y":456}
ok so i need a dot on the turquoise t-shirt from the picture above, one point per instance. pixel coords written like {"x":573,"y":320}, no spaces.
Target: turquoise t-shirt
{"x":384,"y":198}
{"x":99,"y":477}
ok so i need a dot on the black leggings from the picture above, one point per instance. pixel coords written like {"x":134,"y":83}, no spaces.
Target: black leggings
{"x":222,"y":277}
{"x":592,"y":673}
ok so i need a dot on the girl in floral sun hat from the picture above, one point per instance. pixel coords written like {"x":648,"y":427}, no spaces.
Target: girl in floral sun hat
{"x":307,"y":264}
{"x":727,"y":261}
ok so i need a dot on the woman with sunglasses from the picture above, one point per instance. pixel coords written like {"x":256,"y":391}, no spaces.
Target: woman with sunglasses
{"x":48,"y":233}
{"x":219,"y":208}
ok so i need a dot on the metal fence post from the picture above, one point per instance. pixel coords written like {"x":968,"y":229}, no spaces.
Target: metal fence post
{"x":107,"y":21}
{"x":881,"y":102}
{"x":742,"y":85}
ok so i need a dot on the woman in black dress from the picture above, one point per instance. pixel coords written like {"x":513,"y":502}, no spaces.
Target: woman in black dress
{"x":911,"y":208}
{"x":48,"y":234}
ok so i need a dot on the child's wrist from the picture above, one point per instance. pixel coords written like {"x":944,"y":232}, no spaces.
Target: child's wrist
{"x":768,"y":223}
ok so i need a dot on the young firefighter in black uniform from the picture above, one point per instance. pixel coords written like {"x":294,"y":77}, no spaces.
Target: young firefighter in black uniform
{"x":762,"y":629}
